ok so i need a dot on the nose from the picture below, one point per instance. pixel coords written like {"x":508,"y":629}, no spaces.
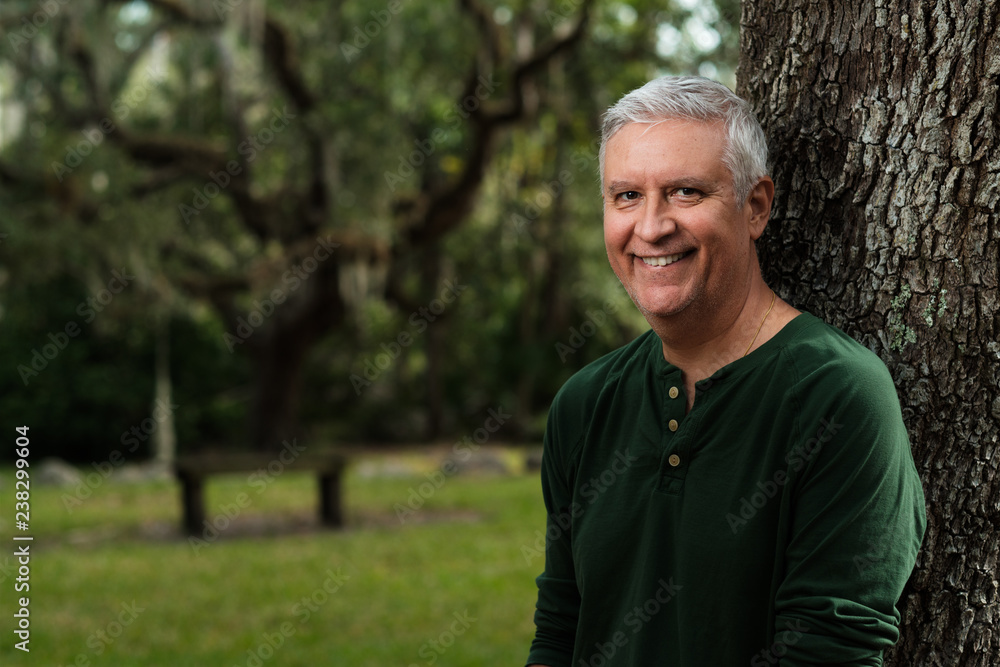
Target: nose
{"x":656,"y":220}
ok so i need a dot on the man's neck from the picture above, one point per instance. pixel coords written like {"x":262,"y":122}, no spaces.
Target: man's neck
{"x":702,"y":343}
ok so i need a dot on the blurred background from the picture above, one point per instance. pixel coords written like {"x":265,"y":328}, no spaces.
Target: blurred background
{"x":241,"y":227}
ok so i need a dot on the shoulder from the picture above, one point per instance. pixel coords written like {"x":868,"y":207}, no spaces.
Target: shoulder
{"x":849,"y":431}
{"x":821,"y":354}
{"x":589,"y":382}
{"x":837,"y":380}
{"x":578,"y":398}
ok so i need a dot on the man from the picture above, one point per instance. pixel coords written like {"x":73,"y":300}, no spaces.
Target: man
{"x":735,"y":486}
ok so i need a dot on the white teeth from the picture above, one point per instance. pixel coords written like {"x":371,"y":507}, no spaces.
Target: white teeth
{"x":663,"y":261}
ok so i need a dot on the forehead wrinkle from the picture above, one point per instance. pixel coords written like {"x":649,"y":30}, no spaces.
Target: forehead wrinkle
{"x":634,"y":172}
{"x":616,"y":184}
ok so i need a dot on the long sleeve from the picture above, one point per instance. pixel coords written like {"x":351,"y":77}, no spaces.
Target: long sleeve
{"x":558,"y":605}
{"x":857,"y":522}
{"x":784,"y":507}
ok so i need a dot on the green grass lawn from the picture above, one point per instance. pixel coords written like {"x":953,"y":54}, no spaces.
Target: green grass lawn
{"x":113,"y":582}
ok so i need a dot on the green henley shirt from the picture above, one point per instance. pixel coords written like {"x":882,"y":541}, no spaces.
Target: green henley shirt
{"x":776,"y":523}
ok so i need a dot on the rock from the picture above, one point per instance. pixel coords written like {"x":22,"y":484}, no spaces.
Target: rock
{"x":56,"y":472}
{"x":481,"y":461}
{"x":388,"y":467}
{"x":137,"y":473}
{"x":533,"y":459}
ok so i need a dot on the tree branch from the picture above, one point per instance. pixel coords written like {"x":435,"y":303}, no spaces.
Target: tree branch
{"x":157,"y":180}
{"x":538,"y":60}
{"x":439,"y":210}
{"x":482,"y":16}
{"x":9,"y":175}
{"x":181,"y":156}
{"x":194,"y":155}
{"x":281,"y":54}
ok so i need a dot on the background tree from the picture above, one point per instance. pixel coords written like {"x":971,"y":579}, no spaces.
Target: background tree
{"x":217,"y":150}
{"x":882,"y":124}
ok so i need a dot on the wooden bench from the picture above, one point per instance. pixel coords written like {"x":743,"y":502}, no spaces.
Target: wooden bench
{"x":192,"y":470}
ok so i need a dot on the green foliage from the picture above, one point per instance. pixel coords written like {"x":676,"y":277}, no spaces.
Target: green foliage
{"x":387,"y":90}
{"x":77,"y":393}
{"x":81,"y":394}
{"x":209,"y":386}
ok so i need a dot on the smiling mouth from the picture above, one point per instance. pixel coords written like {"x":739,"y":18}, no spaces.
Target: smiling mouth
{"x":665,"y":260}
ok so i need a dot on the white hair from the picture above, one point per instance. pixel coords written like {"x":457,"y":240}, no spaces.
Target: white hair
{"x":700,"y":99}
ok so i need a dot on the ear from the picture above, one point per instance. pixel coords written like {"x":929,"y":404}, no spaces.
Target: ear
{"x":759,"y":201}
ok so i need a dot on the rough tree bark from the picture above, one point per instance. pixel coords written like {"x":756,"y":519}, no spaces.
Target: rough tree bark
{"x":882,"y":122}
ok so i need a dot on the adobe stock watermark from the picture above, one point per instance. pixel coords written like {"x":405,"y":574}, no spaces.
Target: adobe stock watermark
{"x":591,"y":490}
{"x":880,"y":547}
{"x":249,"y":148}
{"x":372,"y":29}
{"x":419,"y":320}
{"x":291,"y":280}
{"x":583,"y":161}
{"x":433,"y":649}
{"x":796,"y":458}
{"x":578,"y":336}
{"x":102,"y":639}
{"x":259,"y":480}
{"x":94,"y":136}
{"x":30,"y":27}
{"x":223,"y":7}
{"x":423,"y":149}
{"x":463,"y":451}
{"x":636,"y":620}
{"x":133,"y":437}
{"x":303,"y":611}
{"x":793,"y":632}
{"x":561,"y":13}
{"x":542,"y":200}
{"x":88,"y":309}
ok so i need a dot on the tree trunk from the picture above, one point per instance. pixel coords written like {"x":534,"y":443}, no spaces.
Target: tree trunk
{"x":277,"y":388}
{"x":881,"y":120}
{"x":280,"y":351}
{"x":436,"y":342}
{"x":165,"y":435}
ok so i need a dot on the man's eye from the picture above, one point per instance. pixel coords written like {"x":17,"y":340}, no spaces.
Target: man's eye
{"x":688,"y":192}
{"x":630,"y":195}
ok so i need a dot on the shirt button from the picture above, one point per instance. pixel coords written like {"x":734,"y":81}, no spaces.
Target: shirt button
{"x":674,"y":460}
{"x":673,"y":392}
{"x":672,"y":424}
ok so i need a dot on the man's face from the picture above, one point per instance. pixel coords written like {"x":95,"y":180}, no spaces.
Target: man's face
{"x":674,"y":233}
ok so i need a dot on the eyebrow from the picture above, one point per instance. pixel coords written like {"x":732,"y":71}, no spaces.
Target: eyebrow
{"x":685,"y":182}
{"x":617,"y":185}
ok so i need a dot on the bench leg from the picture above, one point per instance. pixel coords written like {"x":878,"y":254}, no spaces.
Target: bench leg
{"x":331,"y":512}
{"x":193,"y":504}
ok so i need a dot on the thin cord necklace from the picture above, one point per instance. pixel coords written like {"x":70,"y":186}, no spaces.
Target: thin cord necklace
{"x":761,"y":325}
